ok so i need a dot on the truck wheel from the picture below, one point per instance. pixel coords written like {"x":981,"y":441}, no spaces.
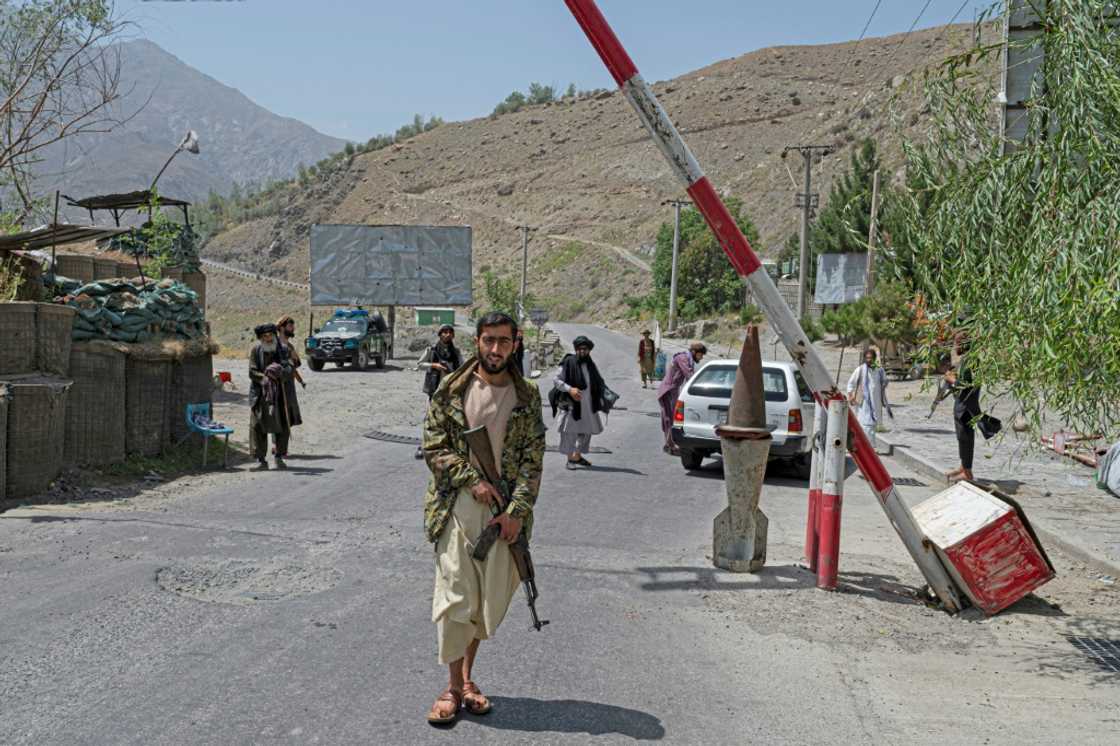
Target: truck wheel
{"x":690,"y":459}
{"x":379,"y":361}
{"x":802,"y":465}
{"x":340,"y":364}
{"x":316,"y":365}
{"x":361,"y":362}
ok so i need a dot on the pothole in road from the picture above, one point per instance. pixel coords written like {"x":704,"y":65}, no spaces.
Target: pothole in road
{"x":245,"y":582}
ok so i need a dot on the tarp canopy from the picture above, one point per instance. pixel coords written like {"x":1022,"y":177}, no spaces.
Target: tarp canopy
{"x":387,"y":265}
{"x":125,"y":201}
{"x":841,"y":278}
{"x":46,"y":236}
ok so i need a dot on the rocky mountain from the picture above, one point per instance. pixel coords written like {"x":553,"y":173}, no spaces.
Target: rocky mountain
{"x":240,"y":141}
{"x":586,"y":173}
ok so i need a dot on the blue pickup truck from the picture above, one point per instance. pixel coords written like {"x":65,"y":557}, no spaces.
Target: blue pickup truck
{"x":352,"y":335}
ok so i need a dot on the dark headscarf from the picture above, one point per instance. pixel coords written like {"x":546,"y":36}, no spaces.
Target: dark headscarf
{"x":263,"y":329}
{"x":582,"y":341}
{"x":571,"y":372}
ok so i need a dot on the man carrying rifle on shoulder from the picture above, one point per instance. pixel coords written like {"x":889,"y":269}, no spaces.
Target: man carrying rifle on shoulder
{"x":476,"y":494}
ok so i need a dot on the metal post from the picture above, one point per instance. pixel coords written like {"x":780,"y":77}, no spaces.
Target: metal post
{"x":872,"y":233}
{"x":738,"y":250}
{"x":812,"y":520}
{"x":677,"y":204}
{"x":832,"y":493}
{"x":524,"y":270}
{"x":807,"y":205}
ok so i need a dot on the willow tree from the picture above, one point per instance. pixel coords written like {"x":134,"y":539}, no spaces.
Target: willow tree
{"x":1019,"y":248}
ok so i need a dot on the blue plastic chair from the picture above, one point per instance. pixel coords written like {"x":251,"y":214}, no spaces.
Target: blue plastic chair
{"x":207,"y":433}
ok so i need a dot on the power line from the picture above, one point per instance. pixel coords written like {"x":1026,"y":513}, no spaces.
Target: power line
{"x":909,"y":31}
{"x":863,"y":33}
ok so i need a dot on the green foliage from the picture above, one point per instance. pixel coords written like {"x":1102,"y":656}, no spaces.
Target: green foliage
{"x":812,"y":328}
{"x":570,"y":92}
{"x":502,"y":294}
{"x":706,"y":282}
{"x":751,"y":314}
{"x":885,"y":315}
{"x":11,"y":278}
{"x":537,"y":94}
{"x":1022,"y":249}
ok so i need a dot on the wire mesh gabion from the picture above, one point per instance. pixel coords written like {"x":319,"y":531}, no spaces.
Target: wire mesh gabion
{"x":55,"y":326}
{"x":95,"y":407}
{"x":17,"y":338}
{"x":3,"y":441}
{"x":147,"y":391}
{"x":36,"y":434}
{"x":192,"y":382}
{"x":75,"y":266}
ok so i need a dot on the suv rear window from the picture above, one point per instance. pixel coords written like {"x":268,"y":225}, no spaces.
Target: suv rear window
{"x":716,"y":381}
{"x":803,"y":388}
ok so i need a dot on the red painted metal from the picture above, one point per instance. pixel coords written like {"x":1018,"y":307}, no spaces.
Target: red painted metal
{"x":828,"y":553}
{"x":603,"y":38}
{"x":869,"y":463}
{"x":812,"y":530}
{"x":727,"y":232}
{"x":987,"y":543}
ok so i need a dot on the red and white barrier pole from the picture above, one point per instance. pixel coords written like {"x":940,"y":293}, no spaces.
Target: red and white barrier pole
{"x":738,"y":250}
{"x":832,"y":493}
{"x":812,"y":522}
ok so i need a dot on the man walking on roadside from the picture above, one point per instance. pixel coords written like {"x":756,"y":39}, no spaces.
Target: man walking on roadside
{"x":867,"y":393}
{"x":680,"y":369}
{"x":471,"y":597}
{"x":578,"y":393}
{"x":438,"y":361}
{"x":647,"y":358}
{"x":269,"y":370}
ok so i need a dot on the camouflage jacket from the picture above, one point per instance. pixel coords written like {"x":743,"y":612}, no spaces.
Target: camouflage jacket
{"x":445,"y":450}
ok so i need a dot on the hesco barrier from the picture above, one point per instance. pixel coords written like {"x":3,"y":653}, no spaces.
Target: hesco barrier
{"x":196,"y":281}
{"x":36,"y":428}
{"x":95,"y":407}
{"x":3,"y":441}
{"x":75,"y":266}
{"x":55,"y":329}
{"x":192,"y":382}
{"x":126,"y":270}
{"x":147,"y":387}
{"x":17,"y":338}
{"x":104,"y":269}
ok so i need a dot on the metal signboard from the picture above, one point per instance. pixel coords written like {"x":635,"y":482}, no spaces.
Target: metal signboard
{"x":538,"y":316}
{"x":391,"y":265}
{"x":841,"y":278}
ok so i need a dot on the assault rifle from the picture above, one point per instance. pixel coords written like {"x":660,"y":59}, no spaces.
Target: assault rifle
{"x":943,"y":390}
{"x":478,"y":441}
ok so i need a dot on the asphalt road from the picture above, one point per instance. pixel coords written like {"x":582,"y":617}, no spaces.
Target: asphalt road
{"x":294,"y":607}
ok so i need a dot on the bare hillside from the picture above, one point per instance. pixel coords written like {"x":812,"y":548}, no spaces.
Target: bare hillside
{"x":588,"y":175}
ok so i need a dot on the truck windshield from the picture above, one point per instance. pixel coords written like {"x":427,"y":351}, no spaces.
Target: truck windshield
{"x":346,"y":326}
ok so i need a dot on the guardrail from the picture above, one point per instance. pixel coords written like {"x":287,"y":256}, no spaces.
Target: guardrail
{"x":252,"y":275}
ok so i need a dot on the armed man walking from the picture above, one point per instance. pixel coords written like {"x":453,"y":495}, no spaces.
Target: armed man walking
{"x":438,"y":361}
{"x":471,"y":597}
{"x":578,"y":394}
{"x":269,"y":371}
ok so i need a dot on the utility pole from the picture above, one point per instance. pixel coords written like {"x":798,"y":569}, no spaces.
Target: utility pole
{"x":677,"y":205}
{"x":524,"y":271}
{"x":873,"y":234}
{"x":807,"y":201}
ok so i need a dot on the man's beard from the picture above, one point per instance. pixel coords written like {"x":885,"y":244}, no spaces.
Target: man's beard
{"x":269,"y":346}
{"x":492,"y":369}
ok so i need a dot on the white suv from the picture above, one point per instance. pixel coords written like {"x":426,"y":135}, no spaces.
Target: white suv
{"x":704,"y":401}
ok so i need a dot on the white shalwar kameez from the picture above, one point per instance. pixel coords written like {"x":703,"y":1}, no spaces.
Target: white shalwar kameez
{"x":872,"y":384}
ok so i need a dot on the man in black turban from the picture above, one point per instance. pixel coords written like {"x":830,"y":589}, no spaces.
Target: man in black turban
{"x":269,"y":370}
{"x":578,"y":394}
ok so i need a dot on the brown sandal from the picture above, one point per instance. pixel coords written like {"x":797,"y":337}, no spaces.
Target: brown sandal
{"x":449,"y":695}
{"x":473,"y":699}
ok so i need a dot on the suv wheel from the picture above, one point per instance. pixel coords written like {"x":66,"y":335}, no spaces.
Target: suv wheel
{"x":690,"y":459}
{"x":379,"y":361}
{"x":361,"y":362}
{"x":316,"y":365}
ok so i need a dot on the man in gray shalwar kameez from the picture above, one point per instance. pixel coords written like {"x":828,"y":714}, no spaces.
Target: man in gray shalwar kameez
{"x":578,"y":394}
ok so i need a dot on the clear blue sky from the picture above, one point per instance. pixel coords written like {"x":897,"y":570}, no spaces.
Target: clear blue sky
{"x":355,"y":68}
